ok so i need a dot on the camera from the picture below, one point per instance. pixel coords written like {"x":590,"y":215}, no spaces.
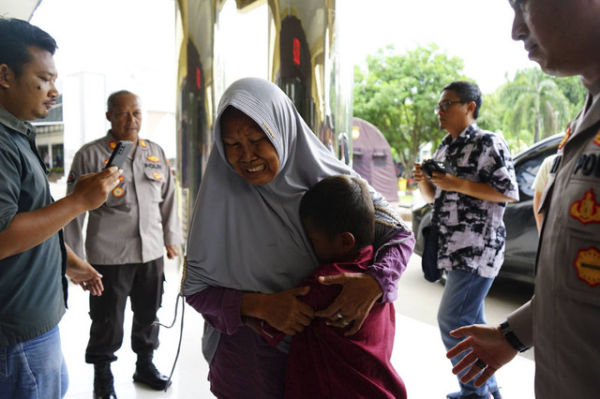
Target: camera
{"x":429,"y":166}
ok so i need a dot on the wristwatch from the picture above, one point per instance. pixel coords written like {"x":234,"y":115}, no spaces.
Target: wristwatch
{"x":512,"y":339}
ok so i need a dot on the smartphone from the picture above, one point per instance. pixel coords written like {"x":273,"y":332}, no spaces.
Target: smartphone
{"x":119,"y":154}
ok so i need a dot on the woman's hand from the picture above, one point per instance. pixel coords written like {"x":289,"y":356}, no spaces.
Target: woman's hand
{"x":353,"y":304}
{"x":283,"y":310}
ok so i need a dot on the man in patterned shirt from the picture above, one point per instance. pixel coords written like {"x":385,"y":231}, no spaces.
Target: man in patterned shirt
{"x":468,"y":206}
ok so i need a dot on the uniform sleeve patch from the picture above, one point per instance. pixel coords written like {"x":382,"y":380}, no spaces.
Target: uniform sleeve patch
{"x":587,"y":264}
{"x":565,"y":138}
{"x":118,"y":192}
{"x":597,"y":138}
{"x":586,"y":210}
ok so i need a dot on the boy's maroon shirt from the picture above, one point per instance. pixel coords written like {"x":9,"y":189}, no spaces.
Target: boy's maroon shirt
{"x":323,"y":363}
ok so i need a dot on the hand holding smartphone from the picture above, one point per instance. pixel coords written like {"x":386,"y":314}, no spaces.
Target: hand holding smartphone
{"x":119,"y":154}
{"x":429,"y":166}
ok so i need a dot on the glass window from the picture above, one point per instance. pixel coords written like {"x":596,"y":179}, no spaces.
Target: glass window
{"x":526,"y":172}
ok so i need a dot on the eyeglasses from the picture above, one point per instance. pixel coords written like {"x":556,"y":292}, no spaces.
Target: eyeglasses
{"x":444,"y":105}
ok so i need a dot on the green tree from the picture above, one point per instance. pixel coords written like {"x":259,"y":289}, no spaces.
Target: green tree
{"x":398,"y":93}
{"x":534,"y":103}
{"x":574,"y":90}
{"x":491,"y":118}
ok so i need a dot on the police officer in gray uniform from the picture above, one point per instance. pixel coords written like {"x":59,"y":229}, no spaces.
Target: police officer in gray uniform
{"x":562,"y":320}
{"x":124,"y":240}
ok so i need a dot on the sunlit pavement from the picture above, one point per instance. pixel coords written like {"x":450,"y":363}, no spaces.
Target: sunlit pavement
{"x":418,"y":353}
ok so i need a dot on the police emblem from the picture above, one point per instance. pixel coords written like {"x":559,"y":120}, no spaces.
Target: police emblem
{"x":587,"y":264}
{"x":586,"y":210}
{"x":143,"y":143}
{"x":597,"y":138}
{"x":153,"y":158}
{"x":157,"y":176}
{"x":118,"y":192}
{"x":112,"y":144}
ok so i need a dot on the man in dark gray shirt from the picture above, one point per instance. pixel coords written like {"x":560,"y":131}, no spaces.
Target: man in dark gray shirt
{"x":33,"y":257}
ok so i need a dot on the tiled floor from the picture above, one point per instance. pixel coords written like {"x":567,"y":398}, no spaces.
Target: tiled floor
{"x":418,"y":354}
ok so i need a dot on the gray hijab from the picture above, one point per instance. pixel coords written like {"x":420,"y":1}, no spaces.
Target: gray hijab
{"x":247,"y":237}
{"x":250,"y":237}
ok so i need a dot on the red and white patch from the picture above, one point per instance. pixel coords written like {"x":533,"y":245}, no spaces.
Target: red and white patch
{"x":587,"y":264}
{"x":586,"y":210}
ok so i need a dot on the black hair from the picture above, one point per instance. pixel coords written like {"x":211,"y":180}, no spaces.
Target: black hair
{"x":467,"y":92}
{"x":16,"y":36}
{"x":110,"y":103}
{"x":339,"y":204}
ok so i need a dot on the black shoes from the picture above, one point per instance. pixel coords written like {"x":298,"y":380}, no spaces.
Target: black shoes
{"x":146,"y":373}
{"x":103,"y":382}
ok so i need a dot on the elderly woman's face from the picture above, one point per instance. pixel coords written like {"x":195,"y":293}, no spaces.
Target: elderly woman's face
{"x":248,"y":149}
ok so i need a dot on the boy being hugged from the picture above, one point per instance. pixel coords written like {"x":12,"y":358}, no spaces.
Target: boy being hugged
{"x":338,"y":216}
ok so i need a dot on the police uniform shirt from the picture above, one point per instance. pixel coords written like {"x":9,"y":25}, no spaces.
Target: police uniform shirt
{"x":140,"y":215}
{"x":562,"y":320}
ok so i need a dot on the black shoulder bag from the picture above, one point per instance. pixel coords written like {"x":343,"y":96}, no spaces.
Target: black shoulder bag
{"x":430,"y":253}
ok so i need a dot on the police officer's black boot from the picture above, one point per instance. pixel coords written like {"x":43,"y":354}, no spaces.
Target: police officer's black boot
{"x":146,"y":373}
{"x":103,"y":382}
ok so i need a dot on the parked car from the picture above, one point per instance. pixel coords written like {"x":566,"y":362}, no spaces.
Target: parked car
{"x":521,"y":231}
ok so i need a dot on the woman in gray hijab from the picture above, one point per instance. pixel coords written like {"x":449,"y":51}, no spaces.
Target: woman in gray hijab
{"x":247,"y":250}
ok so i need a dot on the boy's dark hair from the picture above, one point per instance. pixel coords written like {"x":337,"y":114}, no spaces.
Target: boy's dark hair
{"x":339,"y":204}
{"x":467,"y":92}
{"x":16,"y":36}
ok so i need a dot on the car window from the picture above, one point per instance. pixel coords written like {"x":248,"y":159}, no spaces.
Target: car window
{"x":525,"y":176}
{"x":526,"y":172}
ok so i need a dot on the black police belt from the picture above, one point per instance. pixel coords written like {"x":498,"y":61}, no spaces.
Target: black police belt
{"x":512,"y":339}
